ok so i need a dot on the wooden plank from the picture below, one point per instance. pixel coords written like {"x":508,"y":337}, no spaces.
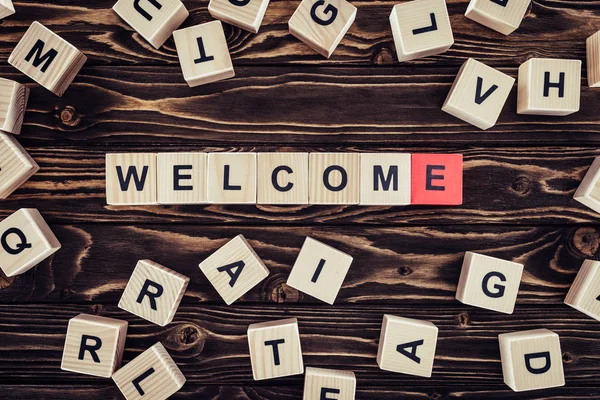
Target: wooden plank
{"x":209,"y":344}
{"x":392,"y":265}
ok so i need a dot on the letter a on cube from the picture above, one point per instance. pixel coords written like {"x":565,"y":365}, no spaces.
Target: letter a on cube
{"x":584,"y":294}
{"x":437,"y":179}
{"x":489,"y":282}
{"x":131,"y":179}
{"x":275,"y":349}
{"x":94,"y":345}
{"x":154,"y":292}
{"x":531,"y":360}
{"x":407,"y":346}
{"x":320,"y":383}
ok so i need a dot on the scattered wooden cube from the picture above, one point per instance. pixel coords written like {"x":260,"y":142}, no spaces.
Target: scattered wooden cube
{"x":588,"y":192}
{"x":16,"y":165}
{"x":549,"y":87}
{"x":531,"y":360}
{"x":245,"y":14}
{"x":478,"y":94}
{"x":421,"y":28}
{"x":437,"y":179}
{"x":203,"y":53}
{"x":181,"y":178}
{"x":6,"y":8}
{"x":385,"y":179}
{"x":47,"y":58}
{"x":154,"y":292}
{"x":407,"y":346}
{"x":12,"y":108}
{"x":489,"y":282}
{"x":282,"y":178}
{"x":234,"y":269}
{"x":94,"y":345}
{"x":232,"y":178}
{"x":154,"y":20}
{"x":151,"y":375}
{"x":275,"y":349}
{"x":584,"y":294}
{"x":322,"y":24}
{"x":503,"y":16}
{"x":334,"y":178}
{"x":131,"y":178}
{"x":25,"y":241}
{"x":592,"y":45}
{"x":320,"y":383}
{"x":319,"y":270}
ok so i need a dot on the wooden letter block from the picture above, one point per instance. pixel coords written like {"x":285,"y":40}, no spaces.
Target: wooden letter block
{"x":154,"y":20}
{"x":275,"y":349}
{"x":154,"y":292}
{"x":234,"y":269}
{"x":46,"y":58}
{"x":203,"y":53}
{"x":584,"y":294}
{"x":407,"y":346}
{"x":531,"y":360}
{"x":25,"y":241}
{"x":549,"y":87}
{"x":153,"y":375}
{"x":16,"y":165}
{"x":12,"y":105}
{"x":319,"y":270}
{"x":384,"y":179}
{"x":322,"y":383}
{"x":282,"y":178}
{"x":334,"y":178}
{"x":322,"y":24}
{"x":503,"y":16}
{"x":131,"y":178}
{"x":437,"y":179}
{"x":94,"y":345}
{"x":478,"y":94}
{"x":588,"y":192}
{"x":421,"y":28}
{"x":181,"y":178}
{"x":6,"y":8}
{"x":245,"y":14}
{"x":592,"y":45}
{"x":232,"y":178}
{"x":489,"y":282}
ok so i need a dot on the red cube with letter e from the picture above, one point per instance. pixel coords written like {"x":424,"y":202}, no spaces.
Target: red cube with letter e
{"x":437,"y":179}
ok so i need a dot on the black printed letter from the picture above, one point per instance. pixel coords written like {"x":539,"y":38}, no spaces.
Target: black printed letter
{"x":328,"y":10}
{"x":203,"y":56}
{"x":318,"y":271}
{"x":275,"y":344}
{"x":429,"y":177}
{"x":533,"y":356}
{"x":239,"y":3}
{"x":177,"y":177}
{"x":499,"y":288}
{"x":430,"y":28}
{"x":144,"y":13}
{"x":326,"y":391}
{"x":342,"y":184}
{"x":226,"y":185}
{"x":276,"y":185}
{"x":151,"y":296}
{"x":392,"y":177}
{"x":38,"y":58}
{"x":84,"y":346}
{"x":132,"y":172}
{"x":238,"y":266}
{"x":560,"y":85}
{"x":479,"y":98}
{"x":136,"y":382}
{"x":401,"y":348}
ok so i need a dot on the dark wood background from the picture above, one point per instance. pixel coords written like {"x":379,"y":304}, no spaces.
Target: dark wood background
{"x":520,"y":177}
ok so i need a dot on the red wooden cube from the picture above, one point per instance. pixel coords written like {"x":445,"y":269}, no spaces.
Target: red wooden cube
{"x":436,"y":179}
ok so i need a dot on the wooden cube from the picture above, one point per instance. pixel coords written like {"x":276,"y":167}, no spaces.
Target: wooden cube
{"x":181,"y":178}
{"x":234,"y":269}
{"x":47,"y":58}
{"x":275,"y":349}
{"x":25,"y":241}
{"x":245,"y":14}
{"x":437,"y":179}
{"x":503,"y":16}
{"x":12,"y":108}
{"x":384,"y":179}
{"x":16,"y":165}
{"x":6,"y":8}
{"x":407,"y":346}
{"x":282,"y":178}
{"x":154,"y":20}
{"x":322,"y":24}
{"x":320,"y":383}
{"x":549,"y":87}
{"x":592,"y":45}
{"x":232,"y":178}
{"x":94,"y":345}
{"x":203,"y":53}
{"x":334,"y":178}
{"x":588,"y":192}
{"x":478,"y":94}
{"x":151,"y":375}
{"x":531,"y":360}
{"x":584,"y":294}
{"x":154,"y":292}
{"x":319,"y":270}
{"x":489,"y":282}
{"x":421,"y":28}
{"x":131,"y":178}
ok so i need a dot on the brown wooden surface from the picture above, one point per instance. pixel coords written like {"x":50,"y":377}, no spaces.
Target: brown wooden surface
{"x":520,"y":177}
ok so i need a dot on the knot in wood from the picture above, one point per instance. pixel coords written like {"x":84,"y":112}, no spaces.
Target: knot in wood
{"x":95,"y":309}
{"x":586,"y":241}
{"x":463,"y":320}
{"x":435,"y":396}
{"x":405,"y":271}
{"x":186,"y":338}
{"x":567,"y":358}
{"x":69,"y":116}
{"x":522,"y":185}
{"x":277,"y":291}
{"x":66,"y":293}
{"x":384,"y":57}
